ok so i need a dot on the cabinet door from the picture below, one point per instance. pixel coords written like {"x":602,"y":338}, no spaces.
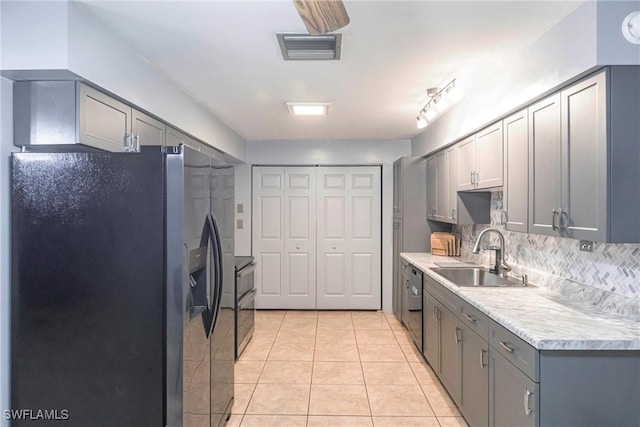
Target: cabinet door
{"x":431,"y":331}
{"x":175,"y":137}
{"x":146,"y":129}
{"x":516,"y":172}
{"x":450,"y":336}
{"x":544,"y":166}
{"x":584,"y":156}
{"x":397,"y":280}
{"x":466,"y":163}
{"x":105,"y":123}
{"x":451,"y":212}
{"x":489,"y":157}
{"x":441,"y":184}
{"x":432,"y":187}
{"x":397,"y":188}
{"x":474,"y":394}
{"x":405,"y":280}
{"x":513,"y":397}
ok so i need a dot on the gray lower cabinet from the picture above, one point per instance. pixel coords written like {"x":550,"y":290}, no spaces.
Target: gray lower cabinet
{"x":430,"y":330}
{"x":498,"y":379}
{"x":474,"y":390}
{"x":450,"y":350}
{"x":513,"y":397}
{"x":405,"y":284}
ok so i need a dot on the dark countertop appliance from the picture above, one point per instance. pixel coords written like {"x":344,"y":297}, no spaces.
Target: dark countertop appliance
{"x":121,"y":287}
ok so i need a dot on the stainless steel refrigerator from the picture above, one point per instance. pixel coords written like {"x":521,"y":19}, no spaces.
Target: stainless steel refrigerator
{"x":122,"y":288}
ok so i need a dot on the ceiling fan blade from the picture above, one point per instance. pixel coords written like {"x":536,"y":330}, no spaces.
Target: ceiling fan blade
{"x":322,"y":16}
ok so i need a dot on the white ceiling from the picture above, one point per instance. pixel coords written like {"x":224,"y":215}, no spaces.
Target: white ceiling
{"x":226,"y":56}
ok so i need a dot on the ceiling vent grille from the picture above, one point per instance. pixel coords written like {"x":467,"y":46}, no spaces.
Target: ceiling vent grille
{"x":306,"y":47}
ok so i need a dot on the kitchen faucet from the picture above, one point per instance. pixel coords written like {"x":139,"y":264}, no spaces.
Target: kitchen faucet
{"x":501,"y":266}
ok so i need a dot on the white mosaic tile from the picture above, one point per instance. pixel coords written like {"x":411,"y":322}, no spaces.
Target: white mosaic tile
{"x":610,"y":275}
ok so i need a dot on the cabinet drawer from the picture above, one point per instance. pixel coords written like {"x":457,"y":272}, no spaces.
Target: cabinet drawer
{"x":514,"y":349}
{"x":447,"y":298}
{"x":475,"y":319}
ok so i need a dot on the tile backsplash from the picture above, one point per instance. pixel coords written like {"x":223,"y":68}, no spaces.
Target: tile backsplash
{"x":609,"y":276}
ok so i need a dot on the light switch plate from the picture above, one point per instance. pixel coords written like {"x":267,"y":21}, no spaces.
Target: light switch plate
{"x":239,"y":224}
{"x":239,"y":208}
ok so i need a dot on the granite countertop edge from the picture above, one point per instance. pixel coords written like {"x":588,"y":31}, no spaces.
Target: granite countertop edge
{"x":560,"y":325}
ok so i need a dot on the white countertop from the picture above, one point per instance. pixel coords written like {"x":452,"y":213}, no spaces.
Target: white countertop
{"x":542,"y":318}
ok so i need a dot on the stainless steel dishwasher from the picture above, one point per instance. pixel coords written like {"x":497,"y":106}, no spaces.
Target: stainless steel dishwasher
{"x":415,"y":306}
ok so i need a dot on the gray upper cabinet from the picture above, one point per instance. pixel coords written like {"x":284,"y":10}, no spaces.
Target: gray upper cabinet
{"x":480,"y":159}
{"x":583,"y":154}
{"x":516,"y":172}
{"x":175,"y":137}
{"x":584,"y":160}
{"x":146,"y":129}
{"x":544,"y":165}
{"x":489,"y":157}
{"x":432,"y":188}
{"x":466,"y":163}
{"x":104,"y":122}
{"x":451,"y":213}
{"x":69,"y":113}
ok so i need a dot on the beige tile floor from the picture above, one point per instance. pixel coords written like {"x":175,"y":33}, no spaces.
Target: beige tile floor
{"x":336,"y":368}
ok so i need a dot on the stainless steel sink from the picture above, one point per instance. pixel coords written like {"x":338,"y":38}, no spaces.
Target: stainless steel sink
{"x":476,"y":277}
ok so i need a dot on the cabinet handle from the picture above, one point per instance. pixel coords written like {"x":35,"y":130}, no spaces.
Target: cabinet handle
{"x":527,"y":410}
{"x":457,"y":337}
{"x":506,"y":347}
{"x":297,"y":247}
{"x":560,"y":219}
{"x":128,"y":141}
{"x":453,"y":214}
{"x":477,"y":178}
{"x":136,"y":143}
{"x":553,"y":219}
{"x":482,"y":352}
{"x":470,"y":318}
{"x":434,"y":313}
{"x":472,"y":181}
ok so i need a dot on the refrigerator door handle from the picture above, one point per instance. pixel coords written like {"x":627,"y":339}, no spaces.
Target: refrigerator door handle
{"x":217,"y":253}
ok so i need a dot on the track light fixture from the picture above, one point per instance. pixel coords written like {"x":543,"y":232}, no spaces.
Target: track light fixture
{"x":439,"y":100}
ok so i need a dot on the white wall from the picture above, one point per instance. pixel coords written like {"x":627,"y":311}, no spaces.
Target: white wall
{"x":380,"y":152}
{"x":587,"y":39}
{"x":6,"y":146}
{"x":65,"y":36}
{"x":565,"y":51}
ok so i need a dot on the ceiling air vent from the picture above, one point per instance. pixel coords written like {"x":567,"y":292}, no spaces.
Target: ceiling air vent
{"x":306,"y":47}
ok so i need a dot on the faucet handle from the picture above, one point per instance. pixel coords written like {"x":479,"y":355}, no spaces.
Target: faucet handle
{"x":524,"y":278}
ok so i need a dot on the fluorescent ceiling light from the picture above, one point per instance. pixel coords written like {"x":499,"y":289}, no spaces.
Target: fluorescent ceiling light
{"x":308,"y":108}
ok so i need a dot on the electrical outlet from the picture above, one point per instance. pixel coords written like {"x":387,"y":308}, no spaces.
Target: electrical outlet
{"x":586,"y":245}
{"x":239,"y":208}
{"x":239,"y":224}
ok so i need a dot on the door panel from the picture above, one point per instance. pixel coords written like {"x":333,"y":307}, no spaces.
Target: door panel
{"x":516,"y":170}
{"x":545,"y":164}
{"x":300,"y":238}
{"x":268,"y":238}
{"x":349,"y":236}
{"x":317,"y":237}
{"x":584,"y":154}
{"x":269,"y":273}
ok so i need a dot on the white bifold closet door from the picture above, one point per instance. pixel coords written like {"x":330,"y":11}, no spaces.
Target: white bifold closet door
{"x":349,"y":236}
{"x":317,"y":237}
{"x":284,"y":237}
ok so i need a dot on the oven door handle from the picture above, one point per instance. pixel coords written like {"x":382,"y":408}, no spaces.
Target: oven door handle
{"x":246,"y":270}
{"x":247,"y":297}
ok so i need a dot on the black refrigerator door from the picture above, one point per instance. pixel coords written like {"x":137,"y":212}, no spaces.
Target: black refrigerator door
{"x":223,"y":335}
{"x":87,"y":288}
